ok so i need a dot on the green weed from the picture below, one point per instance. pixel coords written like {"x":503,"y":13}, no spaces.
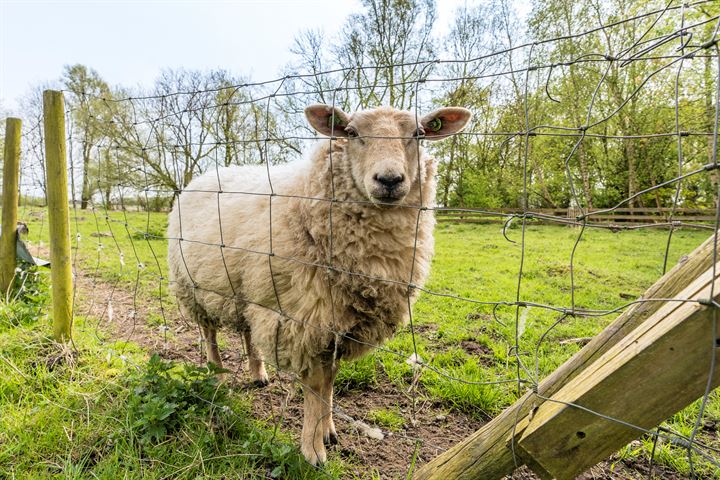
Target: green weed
{"x":386,"y":418}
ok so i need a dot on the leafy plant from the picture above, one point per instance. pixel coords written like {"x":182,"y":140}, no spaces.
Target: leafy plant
{"x":27,"y":298}
{"x":167,"y":397}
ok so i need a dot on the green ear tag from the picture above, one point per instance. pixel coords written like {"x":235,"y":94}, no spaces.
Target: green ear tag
{"x":435,"y":124}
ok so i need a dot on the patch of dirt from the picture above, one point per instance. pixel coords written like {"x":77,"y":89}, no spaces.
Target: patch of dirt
{"x":558,"y":271}
{"x":425,"y":328}
{"x":471,"y":347}
{"x":429,"y":428}
{"x":482,"y":353}
{"x":479,"y":316}
{"x":613,"y":469}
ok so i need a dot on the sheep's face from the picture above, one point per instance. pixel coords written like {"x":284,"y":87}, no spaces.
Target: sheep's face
{"x":384,"y":145}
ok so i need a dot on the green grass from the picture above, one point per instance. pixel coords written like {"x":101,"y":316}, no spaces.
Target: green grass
{"x":107,"y":411}
{"x":459,"y":339}
{"x":386,"y":418}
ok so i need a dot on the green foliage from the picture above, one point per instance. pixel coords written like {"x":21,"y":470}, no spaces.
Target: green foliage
{"x":635,"y":100}
{"x":166,"y":397}
{"x":28,"y":297}
{"x":360,"y":374}
{"x":386,"y":418}
{"x":99,"y":413}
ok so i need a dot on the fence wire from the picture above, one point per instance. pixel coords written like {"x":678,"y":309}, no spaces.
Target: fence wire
{"x":144,"y":151}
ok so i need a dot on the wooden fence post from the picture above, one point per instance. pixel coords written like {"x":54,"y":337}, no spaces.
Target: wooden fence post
{"x":58,"y":214}
{"x":487,"y":453}
{"x":654,"y":372}
{"x":11,"y":174}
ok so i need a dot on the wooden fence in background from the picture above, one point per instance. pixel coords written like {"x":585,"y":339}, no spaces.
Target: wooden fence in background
{"x":619,"y":215}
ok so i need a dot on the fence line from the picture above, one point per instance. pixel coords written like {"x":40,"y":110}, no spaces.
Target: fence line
{"x":648,"y":217}
{"x":616,"y":217}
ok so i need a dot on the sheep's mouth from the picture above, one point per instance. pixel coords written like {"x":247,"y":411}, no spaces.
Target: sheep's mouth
{"x":387,"y":200}
{"x":384,"y":196}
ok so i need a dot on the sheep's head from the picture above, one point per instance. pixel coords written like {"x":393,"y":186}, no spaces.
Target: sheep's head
{"x":383,"y":144}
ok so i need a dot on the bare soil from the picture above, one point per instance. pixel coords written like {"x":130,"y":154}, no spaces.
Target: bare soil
{"x":430,"y":428}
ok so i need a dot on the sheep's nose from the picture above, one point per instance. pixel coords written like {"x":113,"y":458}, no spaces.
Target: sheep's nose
{"x":390,"y":181}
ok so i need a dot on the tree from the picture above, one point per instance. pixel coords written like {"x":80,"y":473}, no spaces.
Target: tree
{"x":86,"y":93}
{"x":470,"y":41}
{"x":33,"y":144}
{"x":377,"y":59}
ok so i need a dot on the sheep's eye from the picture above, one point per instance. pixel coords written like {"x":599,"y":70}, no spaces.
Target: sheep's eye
{"x":352,"y":133}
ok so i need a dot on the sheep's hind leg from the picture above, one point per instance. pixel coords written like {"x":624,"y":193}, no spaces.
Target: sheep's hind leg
{"x":312,"y":446}
{"x":211,"y":346}
{"x":257,"y":366}
{"x":329,"y":433}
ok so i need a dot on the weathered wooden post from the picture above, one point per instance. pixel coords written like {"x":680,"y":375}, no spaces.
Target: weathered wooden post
{"x":11,"y":174}
{"x":488,"y":453}
{"x":655,"y":371}
{"x":58,"y":213}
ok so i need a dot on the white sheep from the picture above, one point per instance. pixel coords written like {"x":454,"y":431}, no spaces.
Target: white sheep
{"x":328,"y":277}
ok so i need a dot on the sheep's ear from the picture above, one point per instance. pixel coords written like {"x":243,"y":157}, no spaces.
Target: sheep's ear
{"x":444,"y":122}
{"x":327,"y":120}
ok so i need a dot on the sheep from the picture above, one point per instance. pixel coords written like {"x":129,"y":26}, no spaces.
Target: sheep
{"x":316,"y":260}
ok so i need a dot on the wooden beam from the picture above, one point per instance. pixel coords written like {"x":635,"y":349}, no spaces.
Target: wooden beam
{"x":658,"y":369}
{"x":58,"y":214}
{"x":11,"y":174}
{"x":487,"y":453}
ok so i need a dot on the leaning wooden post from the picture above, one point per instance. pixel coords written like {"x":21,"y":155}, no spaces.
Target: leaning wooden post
{"x":11,"y":174}
{"x":58,"y":213}
{"x":487,"y":454}
{"x":657,"y":370}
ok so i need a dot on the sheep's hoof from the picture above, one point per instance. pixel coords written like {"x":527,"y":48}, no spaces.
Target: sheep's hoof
{"x":331,"y":438}
{"x":260,"y":383}
{"x":315,"y":457}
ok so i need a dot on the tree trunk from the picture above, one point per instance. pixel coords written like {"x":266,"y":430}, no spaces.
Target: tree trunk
{"x":448,"y":173}
{"x":629,"y":150}
{"x":85,"y":195}
{"x":585,"y":174}
{"x":710,"y":124}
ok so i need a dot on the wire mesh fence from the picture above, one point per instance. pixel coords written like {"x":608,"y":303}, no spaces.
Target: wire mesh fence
{"x":136,"y":156}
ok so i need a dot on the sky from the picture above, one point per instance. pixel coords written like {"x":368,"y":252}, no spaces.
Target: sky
{"x":129,"y":42}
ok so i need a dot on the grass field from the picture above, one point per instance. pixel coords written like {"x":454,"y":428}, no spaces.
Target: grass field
{"x":458,"y":338}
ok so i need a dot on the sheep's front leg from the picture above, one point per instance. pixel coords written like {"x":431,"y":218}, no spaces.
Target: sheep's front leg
{"x":329,"y":433}
{"x":312,"y":446}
